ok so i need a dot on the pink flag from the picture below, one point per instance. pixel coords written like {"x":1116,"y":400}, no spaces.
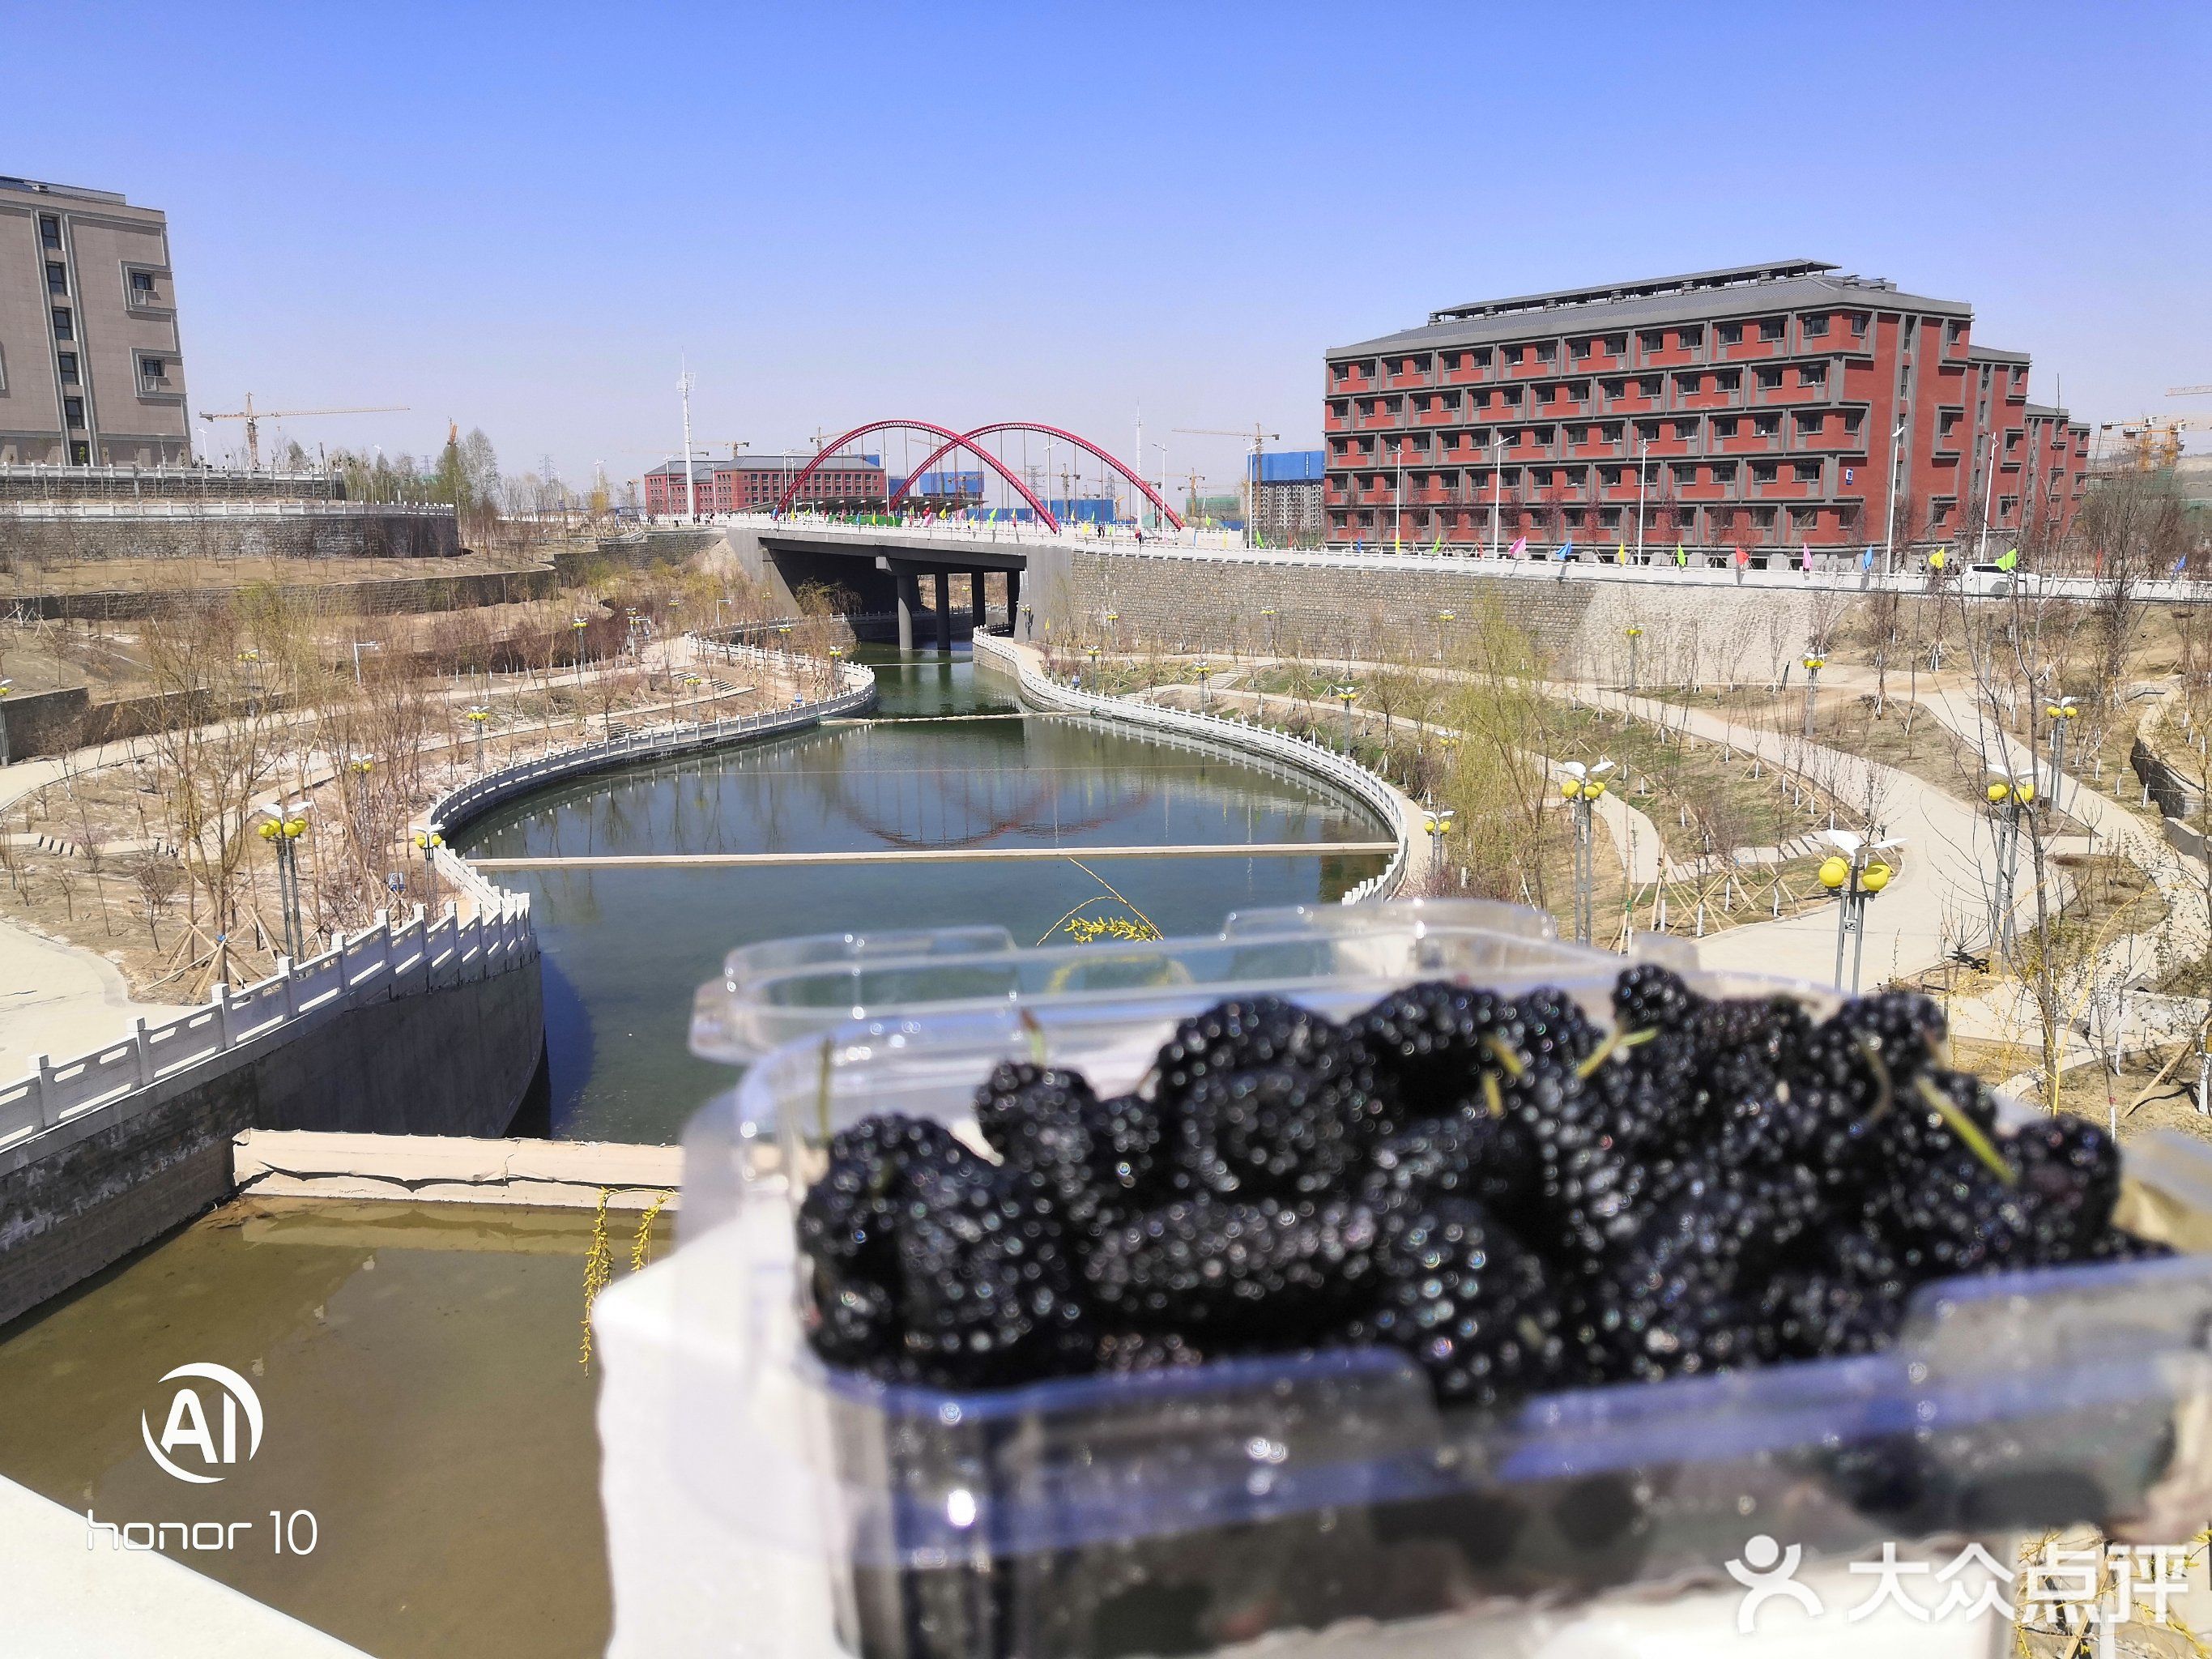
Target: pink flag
{"x":1805,"y":563}
{"x":1519,"y":546}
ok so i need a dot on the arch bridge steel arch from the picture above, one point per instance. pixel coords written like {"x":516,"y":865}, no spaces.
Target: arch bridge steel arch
{"x":952,"y":440}
{"x":966,"y":441}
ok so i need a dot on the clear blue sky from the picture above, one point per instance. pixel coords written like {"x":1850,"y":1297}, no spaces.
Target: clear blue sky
{"x":522,"y":216}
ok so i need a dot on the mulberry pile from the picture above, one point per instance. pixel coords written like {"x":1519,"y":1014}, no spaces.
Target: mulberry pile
{"x":1518,"y":1197}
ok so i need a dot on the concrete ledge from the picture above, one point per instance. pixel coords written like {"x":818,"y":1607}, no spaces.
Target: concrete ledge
{"x":450,"y":1169}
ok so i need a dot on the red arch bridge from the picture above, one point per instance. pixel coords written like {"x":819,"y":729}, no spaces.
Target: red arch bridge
{"x":876,"y":569}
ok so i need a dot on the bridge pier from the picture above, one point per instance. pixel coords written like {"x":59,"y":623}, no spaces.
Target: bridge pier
{"x":908,"y":586}
{"x":1014,"y":603}
{"x":978,"y":609}
{"x":943,"y":607}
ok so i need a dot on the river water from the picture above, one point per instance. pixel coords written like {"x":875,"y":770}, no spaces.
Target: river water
{"x":949,"y":763}
{"x":419,"y":1363}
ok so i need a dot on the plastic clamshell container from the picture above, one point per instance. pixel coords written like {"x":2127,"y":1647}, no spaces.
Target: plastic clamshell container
{"x":1183,"y":1510}
{"x":787,"y":990}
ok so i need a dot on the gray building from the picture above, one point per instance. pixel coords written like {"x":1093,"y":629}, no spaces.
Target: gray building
{"x":1287,"y":491}
{"x":90,"y":374}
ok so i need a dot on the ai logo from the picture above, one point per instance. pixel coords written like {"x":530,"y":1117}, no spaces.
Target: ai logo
{"x":189,"y":1425}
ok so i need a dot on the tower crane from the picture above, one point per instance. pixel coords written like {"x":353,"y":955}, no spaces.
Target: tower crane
{"x":254,"y":418}
{"x":1261,"y":438}
{"x":2154,"y":441}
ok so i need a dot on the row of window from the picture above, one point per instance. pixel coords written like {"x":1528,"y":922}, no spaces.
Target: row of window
{"x":1805,"y":423}
{"x":1684,"y":474}
{"x":1686,"y":337}
{"x":1811,"y":377}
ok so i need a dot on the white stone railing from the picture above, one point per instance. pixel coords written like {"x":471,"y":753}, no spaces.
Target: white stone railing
{"x":1307,"y":755}
{"x":385,"y":960}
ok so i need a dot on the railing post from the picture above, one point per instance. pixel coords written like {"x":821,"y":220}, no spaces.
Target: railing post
{"x":291,"y":987}
{"x":223,"y":1012}
{"x":44,"y":1066}
{"x":144,"y":1047}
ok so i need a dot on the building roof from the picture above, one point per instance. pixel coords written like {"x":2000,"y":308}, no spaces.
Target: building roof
{"x":1695,"y":296}
{"x":704,"y":466}
{"x":1290,"y":466}
{"x":40,"y":187}
{"x":1976,"y":354}
{"x":2043,"y":412}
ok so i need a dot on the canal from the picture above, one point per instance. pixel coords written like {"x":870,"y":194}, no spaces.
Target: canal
{"x":949,"y":763}
{"x":419,"y":1363}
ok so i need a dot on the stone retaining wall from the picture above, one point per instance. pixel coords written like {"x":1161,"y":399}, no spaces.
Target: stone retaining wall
{"x":1197,"y":604}
{"x":354,"y":532}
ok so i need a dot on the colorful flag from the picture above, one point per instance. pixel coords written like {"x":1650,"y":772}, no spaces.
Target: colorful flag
{"x":2010,"y":559}
{"x":1682,"y":559}
{"x":1805,"y":558}
{"x":1565,"y":549}
{"x":1439,"y":546}
{"x":1742,"y":558}
{"x":1621,"y":554}
{"x":1519,"y":546}
{"x":1866,"y":559}
{"x":1935,"y":560}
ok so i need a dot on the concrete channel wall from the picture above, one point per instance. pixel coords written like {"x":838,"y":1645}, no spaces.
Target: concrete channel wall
{"x":430,"y":1026}
{"x":1312,"y":758}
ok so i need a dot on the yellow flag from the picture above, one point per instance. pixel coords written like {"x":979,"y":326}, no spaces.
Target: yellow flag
{"x":1621,"y":554}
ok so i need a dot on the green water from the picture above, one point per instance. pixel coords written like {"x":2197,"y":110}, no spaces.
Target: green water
{"x":951,"y":763}
{"x":417,"y":1368}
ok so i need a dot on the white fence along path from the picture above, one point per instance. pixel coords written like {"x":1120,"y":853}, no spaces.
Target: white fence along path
{"x":1395,"y":808}
{"x":389,"y":959}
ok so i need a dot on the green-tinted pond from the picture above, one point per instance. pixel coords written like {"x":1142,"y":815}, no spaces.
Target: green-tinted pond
{"x":950,"y":764}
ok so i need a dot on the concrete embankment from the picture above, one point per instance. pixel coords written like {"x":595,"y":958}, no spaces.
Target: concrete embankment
{"x":460,"y":1059}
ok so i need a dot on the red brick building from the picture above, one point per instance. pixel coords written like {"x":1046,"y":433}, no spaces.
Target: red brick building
{"x":1766,"y":406}
{"x":754,"y":484}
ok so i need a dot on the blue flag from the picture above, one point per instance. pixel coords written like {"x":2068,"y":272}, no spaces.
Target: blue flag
{"x":1866,"y":559}
{"x":1565,"y":548}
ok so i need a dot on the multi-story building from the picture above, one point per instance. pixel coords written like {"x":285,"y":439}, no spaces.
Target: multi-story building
{"x":1760,"y":407}
{"x":754,"y":484}
{"x":90,"y":371}
{"x":1287,"y":495}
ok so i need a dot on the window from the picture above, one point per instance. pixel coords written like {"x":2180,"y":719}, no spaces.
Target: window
{"x":1763,"y":472}
{"x":1812,"y":376}
{"x":1581,"y":349}
{"x":1729,"y":333}
{"x":1767,"y":426}
{"x":1482,"y":358}
{"x":65,"y":325}
{"x":1770,"y":379}
{"x":1687,"y":431}
{"x":1616,"y":343}
{"x":1952,"y":330}
{"x":1608,"y":476}
{"x":1578,"y":477}
{"x":73,"y":412}
{"x":1577,"y":434}
{"x":1858,"y":324}
{"x":1813,"y":328}
{"x":142,"y":288}
{"x":67,"y":360}
{"x":1770,"y":328}
{"x":1809,"y":473}
{"x":1691,"y":339}
{"x":1610,"y":432}
{"x":1647,"y":432}
{"x":1724,"y":427}
{"x":1650,"y":386}
{"x":1947,"y":423}
{"x":1652,"y":339}
{"x":57,"y":277}
{"x":1723,"y":472}
{"x":154,"y":370}
{"x":1687,"y":385}
{"x":1809,"y":423}
{"x":79,"y":454}
{"x":1613,"y":388}
{"x":1728,"y":380}
{"x":1686,"y":475}
{"x":1544,"y":353}
{"x":49,"y":232}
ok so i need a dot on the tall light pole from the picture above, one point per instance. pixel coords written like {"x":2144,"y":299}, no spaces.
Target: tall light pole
{"x":1346,"y":692}
{"x":1853,"y":876}
{"x":1889,"y":513}
{"x":1497,"y":447}
{"x":1445,"y":619}
{"x":478,"y":717}
{"x":428,"y":841}
{"x":2009,"y":798}
{"x":1437,"y":821}
{"x":2060,"y":714}
{"x":1205,"y":673}
{"x":1988,"y":493}
{"x":1642,"y":449}
{"x":281,"y":830}
{"x":1583,"y":786}
{"x":1635,"y":634}
{"x":1813,"y":663}
{"x":690,"y":487}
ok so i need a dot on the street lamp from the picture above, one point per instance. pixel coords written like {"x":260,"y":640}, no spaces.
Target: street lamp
{"x":1437,"y":821}
{"x":1497,"y":447}
{"x":2009,"y":797}
{"x":480,"y":717}
{"x":695,"y":682}
{"x":2060,"y":714}
{"x":251,"y":661}
{"x":1854,"y":877}
{"x":1813,"y":663}
{"x":427,"y":842}
{"x":1205,"y":671}
{"x":1445,"y":619}
{"x":281,"y":830}
{"x":1091,"y":650}
{"x":1345,"y":692}
{"x":1642,"y":451}
{"x":1582,"y":786}
{"x":1635,"y":632}
{"x":1269,"y":611}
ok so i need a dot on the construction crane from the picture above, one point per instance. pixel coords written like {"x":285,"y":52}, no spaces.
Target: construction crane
{"x":2188,"y":391}
{"x":254,"y":418}
{"x":1260,"y":440}
{"x":2154,"y":441}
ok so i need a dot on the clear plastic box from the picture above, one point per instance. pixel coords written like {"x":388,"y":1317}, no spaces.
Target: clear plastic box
{"x":1185,"y":1510}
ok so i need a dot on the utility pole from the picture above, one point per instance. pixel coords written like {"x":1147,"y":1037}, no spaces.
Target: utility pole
{"x":1642,"y":448}
{"x":690,"y":489}
{"x":1889,"y":514}
{"x":1988,"y":490}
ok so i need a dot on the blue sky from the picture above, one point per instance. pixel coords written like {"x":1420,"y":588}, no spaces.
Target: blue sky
{"x":521,"y":217}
